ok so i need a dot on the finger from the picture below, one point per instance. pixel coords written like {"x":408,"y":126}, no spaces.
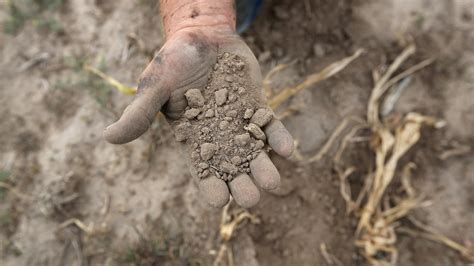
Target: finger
{"x":244,"y":191}
{"x":214,"y":191}
{"x":265,"y":172}
{"x":279,"y":138}
{"x":138,"y":116}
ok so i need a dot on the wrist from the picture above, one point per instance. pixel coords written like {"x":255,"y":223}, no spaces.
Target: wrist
{"x":207,"y":15}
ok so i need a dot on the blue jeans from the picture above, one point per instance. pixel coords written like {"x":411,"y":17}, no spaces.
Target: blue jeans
{"x":246,"y":13}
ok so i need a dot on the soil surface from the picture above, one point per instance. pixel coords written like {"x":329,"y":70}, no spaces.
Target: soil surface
{"x":78,"y":200}
{"x":222,"y":123}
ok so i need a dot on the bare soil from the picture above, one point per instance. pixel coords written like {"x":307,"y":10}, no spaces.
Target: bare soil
{"x":80,"y":201}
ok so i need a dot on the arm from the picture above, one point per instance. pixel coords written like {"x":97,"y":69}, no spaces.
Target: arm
{"x":210,"y":15}
{"x":196,"y":33}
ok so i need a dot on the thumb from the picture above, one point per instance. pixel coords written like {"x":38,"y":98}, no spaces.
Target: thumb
{"x":138,"y":116}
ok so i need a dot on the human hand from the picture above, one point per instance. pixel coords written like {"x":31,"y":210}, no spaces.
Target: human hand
{"x":185,"y":62}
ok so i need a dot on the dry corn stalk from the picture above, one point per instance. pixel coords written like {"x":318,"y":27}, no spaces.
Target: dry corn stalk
{"x":431,"y":234}
{"x":326,"y":73}
{"x":405,"y":137}
{"x":113,"y":82}
{"x":376,"y":230}
{"x":229,"y":223}
{"x":376,"y":227}
{"x":267,"y":81}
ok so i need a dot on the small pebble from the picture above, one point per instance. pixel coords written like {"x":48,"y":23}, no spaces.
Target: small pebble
{"x":228,"y":79}
{"x":240,"y":90}
{"x":262,"y":117}
{"x":221,"y":96}
{"x":223,"y":125}
{"x":236,"y":160}
{"x":232,"y":98}
{"x":232,"y":113}
{"x":209,"y":113}
{"x":191,"y":113}
{"x":242,"y":139}
{"x":240,"y":65}
{"x":205,"y":173}
{"x":228,"y":118}
{"x":259,"y":144}
{"x":207,"y":151}
{"x":225,"y":177}
{"x":205,"y":130}
{"x":203,"y":166}
{"x":248,"y":113}
{"x":249,"y":157}
{"x":228,"y":168}
{"x":194,"y":155}
{"x":194,"y":98}
{"x":256,"y":131}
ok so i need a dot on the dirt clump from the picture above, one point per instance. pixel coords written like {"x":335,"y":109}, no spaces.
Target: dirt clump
{"x":222,"y":122}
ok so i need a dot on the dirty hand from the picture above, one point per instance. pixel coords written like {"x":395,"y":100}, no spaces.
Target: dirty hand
{"x":196,"y":32}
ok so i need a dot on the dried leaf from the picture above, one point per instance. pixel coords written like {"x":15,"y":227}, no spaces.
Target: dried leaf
{"x":326,"y":73}
{"x":113,"y":82}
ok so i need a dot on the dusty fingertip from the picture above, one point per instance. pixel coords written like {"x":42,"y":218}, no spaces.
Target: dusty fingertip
{"x":279,"y":138}
{"x":130,"y":126}
{"x":244,"y":191}
{"x":214,"y":191}
{"x":265,"y":172}
{"x":111,"y":135}
{"x":119,"y":134}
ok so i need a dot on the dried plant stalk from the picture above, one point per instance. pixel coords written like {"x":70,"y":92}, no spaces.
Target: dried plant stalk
{"x":326,"y":73}
{"x":228,"y":226}
{"x":113,"y":82}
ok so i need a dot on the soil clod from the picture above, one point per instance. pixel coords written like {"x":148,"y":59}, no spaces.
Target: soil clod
{"x":262,"y":117}
{"x":223,"y":125}
{"x":221,"y":96}
{"x":256,"y":131}
{"x":207,"y":151}
{"x":209,"y":113}
{"x":242,"y":139}
{"x":191,"y":113}
{"x":194,"y":98}
{"x":248,"y":113}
